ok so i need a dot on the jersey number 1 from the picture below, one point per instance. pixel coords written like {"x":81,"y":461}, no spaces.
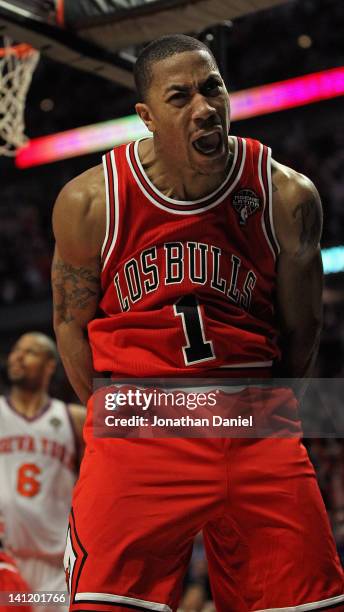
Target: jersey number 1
{"x":197,"y":348}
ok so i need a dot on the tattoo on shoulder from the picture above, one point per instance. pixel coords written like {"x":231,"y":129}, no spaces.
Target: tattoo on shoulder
{"x":74,"y":289}
{"x":308,"y":213}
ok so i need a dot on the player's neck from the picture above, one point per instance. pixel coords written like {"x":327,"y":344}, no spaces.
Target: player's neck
{"x":28,"y":402}
{"x":177,"y":183}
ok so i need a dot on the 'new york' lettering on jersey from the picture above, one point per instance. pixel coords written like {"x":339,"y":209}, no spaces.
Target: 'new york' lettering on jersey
{"x":38,"y":466}
{"x":187,"y":286}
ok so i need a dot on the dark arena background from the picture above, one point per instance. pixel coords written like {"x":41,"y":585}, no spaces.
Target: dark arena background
{"x":290,"y":56}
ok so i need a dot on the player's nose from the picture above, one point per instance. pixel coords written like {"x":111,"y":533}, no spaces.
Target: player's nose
{"x":202,"y":109}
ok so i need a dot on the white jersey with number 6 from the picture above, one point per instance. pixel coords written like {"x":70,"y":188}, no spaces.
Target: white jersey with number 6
{"x":38,"y":462}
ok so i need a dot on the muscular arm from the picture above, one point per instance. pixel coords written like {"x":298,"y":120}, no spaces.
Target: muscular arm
{"x":78,"y":227}
{"x":298,"y":223}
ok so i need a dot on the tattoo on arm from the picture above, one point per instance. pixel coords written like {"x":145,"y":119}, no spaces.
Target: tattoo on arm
{"x":74,"y":289}
{"x":308,"y":214}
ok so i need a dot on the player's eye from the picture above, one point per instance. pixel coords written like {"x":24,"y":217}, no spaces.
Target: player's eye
{"x":179,"y":97}
{"x":211,"y":88}
{"x":16,"y":349}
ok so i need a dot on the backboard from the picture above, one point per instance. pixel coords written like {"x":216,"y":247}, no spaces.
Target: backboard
{"x":96,"y":39}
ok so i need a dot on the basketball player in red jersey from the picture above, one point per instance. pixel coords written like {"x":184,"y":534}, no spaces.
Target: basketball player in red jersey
{"x":199,"y":256}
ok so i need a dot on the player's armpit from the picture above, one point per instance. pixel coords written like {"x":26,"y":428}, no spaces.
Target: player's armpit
{"x":298,"y":223}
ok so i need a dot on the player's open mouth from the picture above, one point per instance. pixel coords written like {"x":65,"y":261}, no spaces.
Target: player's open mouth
{"x":208,"y":144}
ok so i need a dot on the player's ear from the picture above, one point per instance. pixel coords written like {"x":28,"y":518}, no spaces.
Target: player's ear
{"x":144,"y":113}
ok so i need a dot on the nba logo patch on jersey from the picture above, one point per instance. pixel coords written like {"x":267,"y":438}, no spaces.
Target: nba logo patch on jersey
{"x":55,"y":422}
{"x":245,"y":202}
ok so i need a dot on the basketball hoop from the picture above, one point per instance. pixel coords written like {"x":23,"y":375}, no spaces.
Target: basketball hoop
{"x":17,"y":63}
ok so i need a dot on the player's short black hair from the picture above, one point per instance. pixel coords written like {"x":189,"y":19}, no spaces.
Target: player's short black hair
{"x":158,"y":50}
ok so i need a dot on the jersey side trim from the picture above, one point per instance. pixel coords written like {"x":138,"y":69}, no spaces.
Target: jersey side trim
{"x":107,"y":201}
{"x":181,"y":207}
{"x":112,"y":206}
{"x":271,"y":218}
{"x":262,"y":175}
{"x":107,"y":598}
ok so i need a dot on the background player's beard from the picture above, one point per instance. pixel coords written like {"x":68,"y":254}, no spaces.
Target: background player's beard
{"x":22,"y":381}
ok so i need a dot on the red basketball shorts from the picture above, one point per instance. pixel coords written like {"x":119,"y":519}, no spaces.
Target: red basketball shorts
{"x":139,"y":503}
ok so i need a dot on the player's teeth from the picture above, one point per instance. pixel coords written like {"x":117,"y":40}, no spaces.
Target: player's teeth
{"x":208,"y":144}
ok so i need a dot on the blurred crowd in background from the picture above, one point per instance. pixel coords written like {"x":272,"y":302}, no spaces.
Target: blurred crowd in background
{"x":303,"y":36}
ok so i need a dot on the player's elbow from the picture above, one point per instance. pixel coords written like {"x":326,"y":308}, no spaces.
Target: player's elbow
{"x":57,"y":323}
{"x":67,"y":328}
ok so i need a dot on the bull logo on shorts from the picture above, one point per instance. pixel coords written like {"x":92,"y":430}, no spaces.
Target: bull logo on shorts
{"x":246,"y":203}
{"x":74,"y":558}
{"x":69,"y":561}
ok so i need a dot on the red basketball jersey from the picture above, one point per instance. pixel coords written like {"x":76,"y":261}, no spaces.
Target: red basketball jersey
{"x":188,"y":287}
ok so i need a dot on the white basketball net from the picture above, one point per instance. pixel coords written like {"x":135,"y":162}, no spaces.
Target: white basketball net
{"x":17,"y":64}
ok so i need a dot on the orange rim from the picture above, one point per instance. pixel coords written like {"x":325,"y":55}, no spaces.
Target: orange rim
{"x":20,"y":50}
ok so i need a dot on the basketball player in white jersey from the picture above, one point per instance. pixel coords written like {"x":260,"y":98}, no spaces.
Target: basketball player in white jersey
{"x":40,"y":444}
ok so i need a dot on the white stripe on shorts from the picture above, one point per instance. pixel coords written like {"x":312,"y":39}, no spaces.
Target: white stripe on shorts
{"x":121,"y":599}
{"x":308,"y":607}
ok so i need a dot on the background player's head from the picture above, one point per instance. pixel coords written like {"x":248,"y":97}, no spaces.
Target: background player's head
{"x":32,"y":361}
{"x":184,"y":102}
